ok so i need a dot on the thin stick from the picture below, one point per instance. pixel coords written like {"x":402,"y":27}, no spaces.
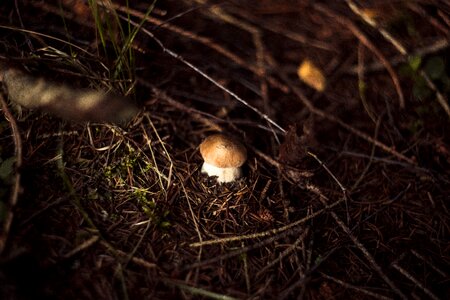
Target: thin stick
{"x":283,"y":254}
{"x":83,"y":246}
{"x":365,"y":252}
{"x":372,"y":153}
{"x":432,"y":265}
{"x":197,"y":291}
{"x":246,"y":275}
{"x":14,"y":196}
{"x":268,"y":232}
{"x":200,"y":39}
{"x":209,"y":78}
{"x":301,"y":96}
{"x":232,"y":94}
{"x":374,"y":24}
{"x":136,"y":260}
{"x":426,"y":16}
{"x":260,"y":51}
{"x":343,"y":189}
{"x":49,"y":37}
{"x":441,"y":98}
{"x":362,"y":37}
{"x":246,"y":249}
{"x":437,"y":46}
{"x":415,"y":281}
{"x":304,"y":277}
{"x":403,"y":51}
{"x":283,"y":31}
{"x":353,"y":287}
{"x":316,"y":189}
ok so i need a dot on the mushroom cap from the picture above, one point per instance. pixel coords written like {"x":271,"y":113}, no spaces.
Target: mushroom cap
{"x":223,"y":151}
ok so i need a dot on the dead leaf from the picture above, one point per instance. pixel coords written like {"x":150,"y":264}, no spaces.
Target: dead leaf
{"x":79,"y":8}
{"x":298,"y":139}
{"x":311,"y":75}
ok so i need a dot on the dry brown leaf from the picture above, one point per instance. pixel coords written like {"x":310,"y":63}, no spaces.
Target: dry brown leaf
{"x":311,"y":75}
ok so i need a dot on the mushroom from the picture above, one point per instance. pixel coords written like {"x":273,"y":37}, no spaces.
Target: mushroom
{"x":223,"y":156}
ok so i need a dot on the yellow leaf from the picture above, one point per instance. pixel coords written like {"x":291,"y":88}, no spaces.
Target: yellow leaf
{"x":311,"y":75}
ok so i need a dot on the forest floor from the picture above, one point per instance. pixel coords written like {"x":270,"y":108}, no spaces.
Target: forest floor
{"x":342,"y":106}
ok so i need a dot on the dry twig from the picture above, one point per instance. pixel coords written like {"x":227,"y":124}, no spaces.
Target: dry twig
{"x":365,"y":40}
{"x":301,"y":96}
{"x":14,"y":196}
{"x":242,"y":250}
{"x":438,"y":45}
{"x":200,"y":39}
{"x":356,"y":288}
{"x":268,"y":232}
{"x":403,"y":51}
{"x":209,"y":78}
{"x":365,"y":252}
{"x":414,"y":280}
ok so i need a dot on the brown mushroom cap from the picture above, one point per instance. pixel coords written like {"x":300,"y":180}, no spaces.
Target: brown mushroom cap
{"x":223,"y":151}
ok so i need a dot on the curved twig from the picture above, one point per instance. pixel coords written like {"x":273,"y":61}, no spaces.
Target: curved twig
{"x":362,"y":37}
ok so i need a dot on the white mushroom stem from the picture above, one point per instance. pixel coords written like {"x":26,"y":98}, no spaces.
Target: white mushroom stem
{"x":223,"y":174}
